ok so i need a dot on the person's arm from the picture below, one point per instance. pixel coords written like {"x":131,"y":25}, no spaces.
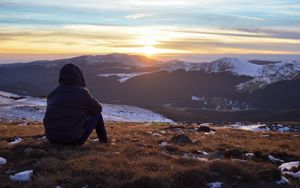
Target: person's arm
{"x":93,"y":105}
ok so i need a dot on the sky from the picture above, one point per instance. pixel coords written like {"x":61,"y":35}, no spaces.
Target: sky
{"x":195,"y":30}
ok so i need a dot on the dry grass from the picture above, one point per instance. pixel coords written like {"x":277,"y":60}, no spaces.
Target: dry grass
{"x":134,"y":158}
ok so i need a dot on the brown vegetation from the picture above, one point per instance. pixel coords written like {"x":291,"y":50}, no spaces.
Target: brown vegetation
{"x":136,"y":157}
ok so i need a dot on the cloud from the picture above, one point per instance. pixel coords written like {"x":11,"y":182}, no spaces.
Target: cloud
{"x":242,"y":17}
{"x":91,"y":39}
{"x":138,"y":16}
{"x":179,"y":26}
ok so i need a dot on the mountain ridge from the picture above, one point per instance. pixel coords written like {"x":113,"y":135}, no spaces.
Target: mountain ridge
{"x":224,"y":85}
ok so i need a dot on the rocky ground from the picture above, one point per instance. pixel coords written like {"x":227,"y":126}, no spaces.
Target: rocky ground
{"x":151,"y":155}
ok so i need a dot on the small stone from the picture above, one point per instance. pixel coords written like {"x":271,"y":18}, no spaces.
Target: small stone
{"x":234,"y":153}
{"x":260,"y":156}
{"x":181,"y":139}
{"x":204,"y":129}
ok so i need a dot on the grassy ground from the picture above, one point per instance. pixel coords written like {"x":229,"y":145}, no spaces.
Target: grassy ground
{"x":135,"y":158}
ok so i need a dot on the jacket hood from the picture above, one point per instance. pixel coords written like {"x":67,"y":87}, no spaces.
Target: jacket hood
{"x":71,"y":74}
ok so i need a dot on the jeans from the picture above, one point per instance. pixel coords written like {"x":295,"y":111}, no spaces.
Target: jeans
{"x":97,"y":123}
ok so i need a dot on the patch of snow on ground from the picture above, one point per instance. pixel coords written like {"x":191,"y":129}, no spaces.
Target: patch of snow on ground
{"x":274,"y":159}
{"x":294,"y":174}
{"x":283,"y":180}
{"x":254,"y":127}
{"x":8,"y":95}
{"x":264,"y":127}
{"x":124,"y":76}
{"x":22,"y":176}
{"x":215,"y":185}
{"x":194,"y":98}
{"x":16,"y":141}
{"x":164,"y":144}
{"x":5,"y":100}
{"x":33,"y":109}
{"x":284,"y":129}
{"x":288,"y":166}
{"x":125,"y":113}
{"x":33,"y":101}
{"x":2,"y":161}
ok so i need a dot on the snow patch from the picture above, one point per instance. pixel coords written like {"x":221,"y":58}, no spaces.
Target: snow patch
{"x":264,"y":127}
{"x":215,"y":185}
{"x":274,"y":159}
{"x":16,"y":141}
{"x":33,"y":109}
{"x":22,"y":176}
{"x":8,"y":95}
{"x":289,"y":166}
{"x":164,"y":144}
{"x":254,"y":127}
{"x":293,"y":174}
{"x":2,"y":161}
{"x":194,"y":98}
{"x":282,"y":181}
{"x":124,"y":76}
{"x":125,"y":113}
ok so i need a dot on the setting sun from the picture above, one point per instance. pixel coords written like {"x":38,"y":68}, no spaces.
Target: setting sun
{"x":149,"y":50}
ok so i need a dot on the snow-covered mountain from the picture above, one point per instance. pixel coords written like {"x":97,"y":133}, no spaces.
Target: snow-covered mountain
{"x":124,"y":67}
{"x":262,"y":74}
{"x":24,"y":108}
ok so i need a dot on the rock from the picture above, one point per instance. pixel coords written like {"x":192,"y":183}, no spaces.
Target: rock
{"x":204,"y":129}
{"x":181,"y":139}
{"x":172,"y":150}
{"x":22,"y":176}
{"x":259,"y":156}
{"x":234,"y":153}
{"x":176,"y":127}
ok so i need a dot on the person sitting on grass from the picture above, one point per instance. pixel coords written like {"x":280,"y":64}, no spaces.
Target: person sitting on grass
{"x":72,"y":112}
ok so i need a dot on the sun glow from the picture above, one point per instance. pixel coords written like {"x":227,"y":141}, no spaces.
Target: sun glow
{"x":149,"y":50}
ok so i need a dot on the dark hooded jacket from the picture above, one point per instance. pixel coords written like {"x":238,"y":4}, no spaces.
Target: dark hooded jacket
{"x":68,"y":106}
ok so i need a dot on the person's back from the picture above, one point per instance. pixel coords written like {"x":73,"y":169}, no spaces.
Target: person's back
{"x":70,"y":109}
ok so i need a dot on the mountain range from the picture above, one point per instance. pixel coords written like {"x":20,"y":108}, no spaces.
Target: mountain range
{"x":227,"y":89}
